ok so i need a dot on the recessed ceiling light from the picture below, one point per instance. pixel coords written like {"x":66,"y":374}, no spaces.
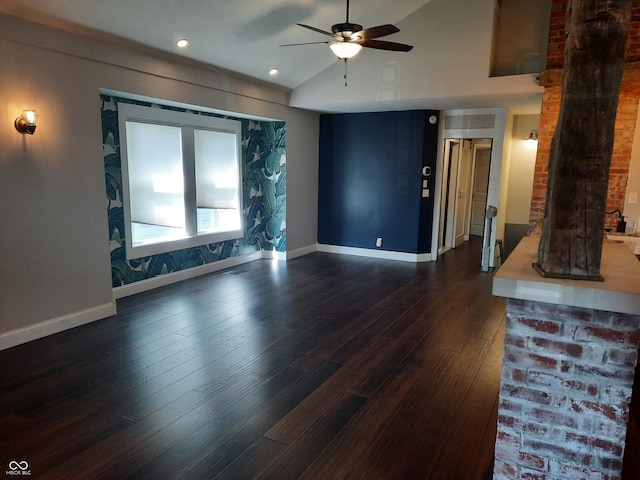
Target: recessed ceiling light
{"x":273,"y":72}
{"x":183,"y":42}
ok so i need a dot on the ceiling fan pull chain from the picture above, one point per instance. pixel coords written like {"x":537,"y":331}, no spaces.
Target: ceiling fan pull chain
{"x":345,"y":72}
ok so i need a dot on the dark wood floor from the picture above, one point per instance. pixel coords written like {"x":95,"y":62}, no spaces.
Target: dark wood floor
{"x":325,"y":367}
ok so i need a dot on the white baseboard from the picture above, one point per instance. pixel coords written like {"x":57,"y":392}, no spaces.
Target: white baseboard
{"x":169,"y":278}
{"x":59,"y":324}
{"x":300,"y":252}
{"x":55,"y":325}
{"x":382,"y":254}
{"x":273,"y":255}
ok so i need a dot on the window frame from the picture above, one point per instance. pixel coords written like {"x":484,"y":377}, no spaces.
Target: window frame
{"x":188,"y":123}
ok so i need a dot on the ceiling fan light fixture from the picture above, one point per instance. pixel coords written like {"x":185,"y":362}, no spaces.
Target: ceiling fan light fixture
{"x":345,"y":50}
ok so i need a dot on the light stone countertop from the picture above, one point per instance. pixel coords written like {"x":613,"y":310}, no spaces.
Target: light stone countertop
{"x":632,"y":240}
{"x":620,"y":291}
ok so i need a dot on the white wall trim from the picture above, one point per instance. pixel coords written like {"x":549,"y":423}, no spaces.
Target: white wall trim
{"x":382,"y":254}
{"x":76,"y":319}
{"x":55,"y":325}
{"x":273,"y":255}
{"x":169,"y":278}
{"x":300,"y":252}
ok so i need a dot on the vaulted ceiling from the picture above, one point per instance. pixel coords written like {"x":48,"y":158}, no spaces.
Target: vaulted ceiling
{"x":245,"y":37}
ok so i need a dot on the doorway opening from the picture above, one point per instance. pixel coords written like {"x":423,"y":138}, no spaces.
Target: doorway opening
{"x":465,"y":185}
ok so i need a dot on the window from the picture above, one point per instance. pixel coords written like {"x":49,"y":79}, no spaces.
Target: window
{"x":181,"y":179}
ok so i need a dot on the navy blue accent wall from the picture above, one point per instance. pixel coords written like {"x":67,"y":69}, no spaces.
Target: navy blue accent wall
{"x":371,"y":178}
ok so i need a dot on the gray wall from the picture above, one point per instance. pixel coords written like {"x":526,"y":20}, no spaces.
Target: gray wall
{"x":54,"y":270}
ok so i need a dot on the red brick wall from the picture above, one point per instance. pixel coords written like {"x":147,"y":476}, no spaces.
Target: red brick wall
{"x":566,"y":386}
{"x":557,"y":33}
{"x":625,"y":122}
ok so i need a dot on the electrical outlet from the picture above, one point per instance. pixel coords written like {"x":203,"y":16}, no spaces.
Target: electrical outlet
{"x":633,"y":198}
{"x":379,"y":242}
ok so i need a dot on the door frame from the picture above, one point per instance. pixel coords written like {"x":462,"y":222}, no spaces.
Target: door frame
{"x":466,"y":118}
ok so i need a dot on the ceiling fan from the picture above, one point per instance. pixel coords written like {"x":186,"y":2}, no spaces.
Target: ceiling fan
{"x":347,"y":39}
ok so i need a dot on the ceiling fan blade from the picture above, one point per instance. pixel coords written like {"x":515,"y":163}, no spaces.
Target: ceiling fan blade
{"x":379,"y":31}
{"x":324,"y":32}
{"x":305,"y":43}
{"x":382,"y":45}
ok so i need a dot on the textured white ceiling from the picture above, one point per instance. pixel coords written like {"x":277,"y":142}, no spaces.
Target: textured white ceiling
{"x":447,"y":69}
{"x":242,"y":36}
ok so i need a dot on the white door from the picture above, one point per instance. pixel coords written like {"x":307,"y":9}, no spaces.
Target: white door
{"x":463,"y":197}
{"x":480,"y":189}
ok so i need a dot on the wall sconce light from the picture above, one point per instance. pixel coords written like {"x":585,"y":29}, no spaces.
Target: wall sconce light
{"x":533,"y":136}
{"x":26,"y":123}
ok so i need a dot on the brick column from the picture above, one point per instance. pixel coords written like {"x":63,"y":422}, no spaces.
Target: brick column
{"x":570,"y":352}
{"x":565,"y":392}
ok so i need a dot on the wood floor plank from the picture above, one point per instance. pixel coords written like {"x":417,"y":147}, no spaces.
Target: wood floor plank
{"x":467,"y":435}
{"x":425,"y":417}
{"x":341,"y":456}
{"x":299,"y":456}
{"x":289,"y":349}
{"x":254,"y":461}
{"x":357,"y":474}
{"x":351,"y":337}
{"x":482,"y":394}
{"x":185,"y":455}
{"x":223,"y":446}
{"x":323,"y":367}
{"x":360,"y":370}
{"x":72,"y":434}
{"x":94,"y":460}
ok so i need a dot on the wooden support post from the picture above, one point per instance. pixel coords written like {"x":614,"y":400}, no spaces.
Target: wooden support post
{"x":573,"y":228}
